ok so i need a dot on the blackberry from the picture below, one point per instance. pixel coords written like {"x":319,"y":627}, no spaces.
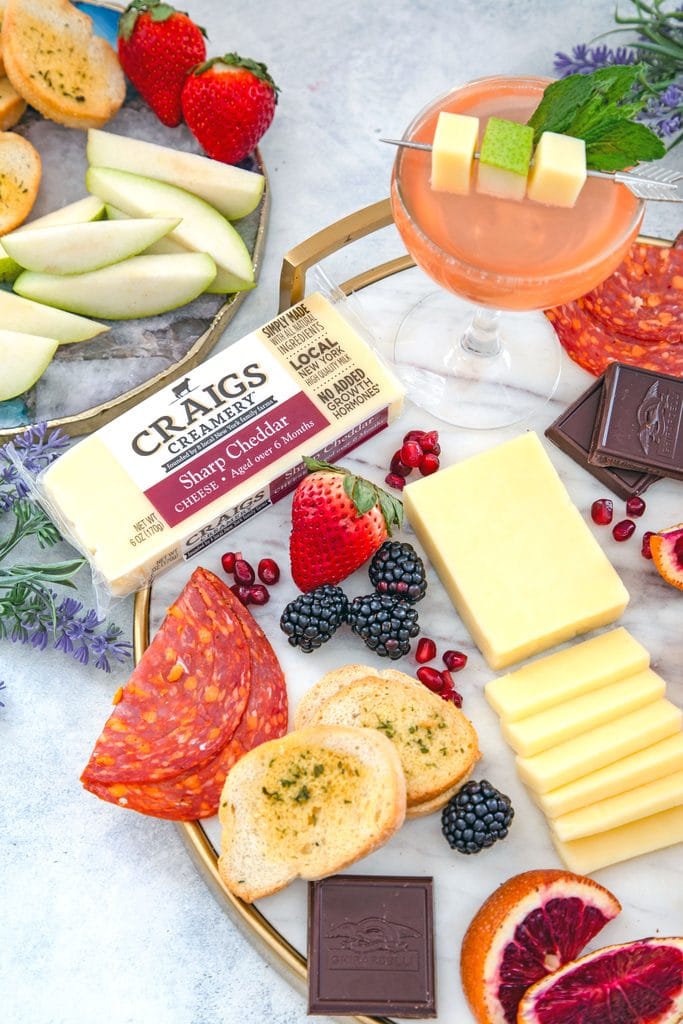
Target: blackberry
{"x":311,"y":619}
{"x":398,"y":569}
{"x":384,"y":623}
{"x":476,"y":817}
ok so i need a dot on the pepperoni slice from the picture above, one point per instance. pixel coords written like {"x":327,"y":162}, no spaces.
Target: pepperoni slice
{"x":186,"y":696}
{"x":196,"y":792}
{"x":635,"y":316}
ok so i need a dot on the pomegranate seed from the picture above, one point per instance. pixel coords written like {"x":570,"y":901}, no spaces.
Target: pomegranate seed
{"x":454,"y":697}
{"x":431,"y":677}
{"x":426,"y":650}
{"x":259,"y":594}
{"x":645,"y":546}
{"x":394,"y":480}
{"x":635,"y":506}
{"x":228,"y":561}
{"x":454,"y":660}
{"x":414,"y":435}
{"x":268,"y":571}
{"x":411,"y":453}
{"x":436,"y":450}
{"x":624,"y":529}
{"x":244,"y":572}
{"x":242,"y":593}
{"x":399,"y":467}
{"x":602,"y":511}
{"x":429,"y":441}
{"x":429,"y":464}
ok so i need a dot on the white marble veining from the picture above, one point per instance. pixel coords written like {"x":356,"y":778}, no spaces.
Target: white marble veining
{"x":103,"y":915}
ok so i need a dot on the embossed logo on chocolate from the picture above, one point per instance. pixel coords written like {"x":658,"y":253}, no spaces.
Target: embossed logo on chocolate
{"x":372,"y":944}
{"x":659,"y":420}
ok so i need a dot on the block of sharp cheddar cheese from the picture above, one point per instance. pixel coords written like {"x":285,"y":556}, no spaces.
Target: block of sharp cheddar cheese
{"x":566,"y":674}
{"x":643,"y":836}
{"x":597,"y":747}
{"x":516,"y":570}
{"x":604,"y":815}
{"x":455,"y":141}
{"x":531,"y":735}
{"x":654,"y":762}
{"x":206,"y":453}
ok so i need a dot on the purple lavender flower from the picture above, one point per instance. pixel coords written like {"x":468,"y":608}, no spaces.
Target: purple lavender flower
{"x":36,"y":448}
{"x":585,"y":59}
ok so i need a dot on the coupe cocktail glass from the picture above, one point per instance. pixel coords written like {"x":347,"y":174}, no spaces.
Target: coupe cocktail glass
{"x":480,"y":353}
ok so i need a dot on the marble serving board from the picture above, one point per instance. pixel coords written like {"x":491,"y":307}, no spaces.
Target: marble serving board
{"x":89,"y":374}
{"x":650,"y":888}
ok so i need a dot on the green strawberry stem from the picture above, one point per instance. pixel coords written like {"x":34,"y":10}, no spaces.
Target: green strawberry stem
{"x":233,"y":60}
{"x":363,"y":493}
{"x":157,"y":10}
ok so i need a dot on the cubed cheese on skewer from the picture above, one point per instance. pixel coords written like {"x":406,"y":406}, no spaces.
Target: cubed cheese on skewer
{"x":455,"y":141}
{"x":559,"y":170}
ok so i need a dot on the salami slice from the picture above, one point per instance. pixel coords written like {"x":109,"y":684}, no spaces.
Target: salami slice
{"x":196,"y":793}
{"x":635,"y":316}
{"x":186,"y":696}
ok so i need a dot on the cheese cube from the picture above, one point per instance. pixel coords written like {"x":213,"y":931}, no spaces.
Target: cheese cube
{"x":558,"y":172}
{"x":531,"y":735}
{"x":598,"y":747}
{"x":603,"y":815}
{"x":455,"y":141}
{"x":655,"y":832}
{"x":567,"y":674}
{"x":504,"y":158}
{"x":513,"y":552}
{"x":662,"y":758}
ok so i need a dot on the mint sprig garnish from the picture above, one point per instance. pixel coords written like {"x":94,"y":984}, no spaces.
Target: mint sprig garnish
{"x":597,"y":108}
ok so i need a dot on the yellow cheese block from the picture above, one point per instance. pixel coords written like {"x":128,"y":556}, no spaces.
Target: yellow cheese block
{"x":531,"y":735}
{"x":558,"y":172}
{"x":566,"y":674}
{"x":598,"y":747}
{"x":455,"y":141}
{"x":660,"y":759}
{"x":513,"y":552}
{"x":643,"y":836}
{"x":603,"y":815}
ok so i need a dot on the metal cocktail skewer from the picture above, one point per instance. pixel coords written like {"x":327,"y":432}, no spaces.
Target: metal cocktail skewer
{"x":649,"y":182}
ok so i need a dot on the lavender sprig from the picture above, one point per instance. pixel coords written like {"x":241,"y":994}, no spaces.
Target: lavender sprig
{"x":2,"y":687}
{"x":36,"y":448}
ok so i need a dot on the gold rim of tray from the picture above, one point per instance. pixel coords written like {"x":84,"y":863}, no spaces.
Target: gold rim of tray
{"x":268,"y":941}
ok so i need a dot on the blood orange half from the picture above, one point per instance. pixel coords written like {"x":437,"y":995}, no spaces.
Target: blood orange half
{"x":531,"y":925}
{"x":634,"y":983}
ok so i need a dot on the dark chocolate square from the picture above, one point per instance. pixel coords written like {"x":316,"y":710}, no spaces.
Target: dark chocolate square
{"x":572,"y":432}
{"x":640,"y":422}
{"x":371,"y":946}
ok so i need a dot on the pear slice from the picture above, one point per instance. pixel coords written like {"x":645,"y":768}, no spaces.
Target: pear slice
{"x":202,"y":229}
{"x":81,"y":212}
{"x":233,"y":191}
{"x":164,"y":245}
{"x":79,"y":248}
{"x":17,"y":314}
{"x":140,"y":286}
{"x":24,"y":358}
{"x":9,"y":268}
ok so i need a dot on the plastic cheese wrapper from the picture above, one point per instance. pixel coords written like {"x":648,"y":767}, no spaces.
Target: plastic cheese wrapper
{"x":166,"y":479}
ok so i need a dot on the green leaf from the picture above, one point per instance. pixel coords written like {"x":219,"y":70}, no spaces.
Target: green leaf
{"x":313,"y":465}
{"x":623,"y":144}
{"x":361,"y":492}
{"x":559,"y":104}
{"x":392,"y":510}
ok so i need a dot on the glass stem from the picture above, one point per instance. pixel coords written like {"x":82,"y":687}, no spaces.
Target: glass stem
{"x":481,"y":338}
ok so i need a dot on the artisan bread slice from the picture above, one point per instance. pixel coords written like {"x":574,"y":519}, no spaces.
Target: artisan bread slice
{"x":307,"y":805}
{"x":20,"y":171}
{"x":436,"y":743}
{"x":58,"y":65}
{"x":12,"y":105}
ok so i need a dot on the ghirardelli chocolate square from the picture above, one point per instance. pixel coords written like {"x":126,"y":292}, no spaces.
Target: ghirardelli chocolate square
{"x":371,"y":946}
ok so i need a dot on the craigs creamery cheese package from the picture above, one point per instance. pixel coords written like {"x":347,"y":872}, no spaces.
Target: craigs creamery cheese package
{"x":207,"y":452}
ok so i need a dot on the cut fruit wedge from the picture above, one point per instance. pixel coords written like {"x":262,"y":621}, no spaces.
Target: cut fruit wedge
{"x":9,"y":268}
{"x":233,"y":191}
{"x":23,"y":358}
{"x":202,"y":229}
{"x":79,"y":248}
{"x":141,"y":286}
{"x":81,"y":212}
{"x":17,"y":314}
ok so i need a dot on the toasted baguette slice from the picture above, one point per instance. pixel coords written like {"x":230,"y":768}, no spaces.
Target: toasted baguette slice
{"x":333,"y":681}
{"x":436,"y":743}
{"x":58,"y":65}
{"x":307,"y":805}
{"x":20,"y":171}
{"x":12,"y":106}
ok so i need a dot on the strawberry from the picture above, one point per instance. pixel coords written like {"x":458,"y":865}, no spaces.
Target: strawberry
{"x":228,"y":104}
{"x":158,"y":47}
{"x":339,"y":520}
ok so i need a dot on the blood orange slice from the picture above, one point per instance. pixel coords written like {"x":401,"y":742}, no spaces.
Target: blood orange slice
{"x":634,"y":983}
{"x":527,"y":928}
